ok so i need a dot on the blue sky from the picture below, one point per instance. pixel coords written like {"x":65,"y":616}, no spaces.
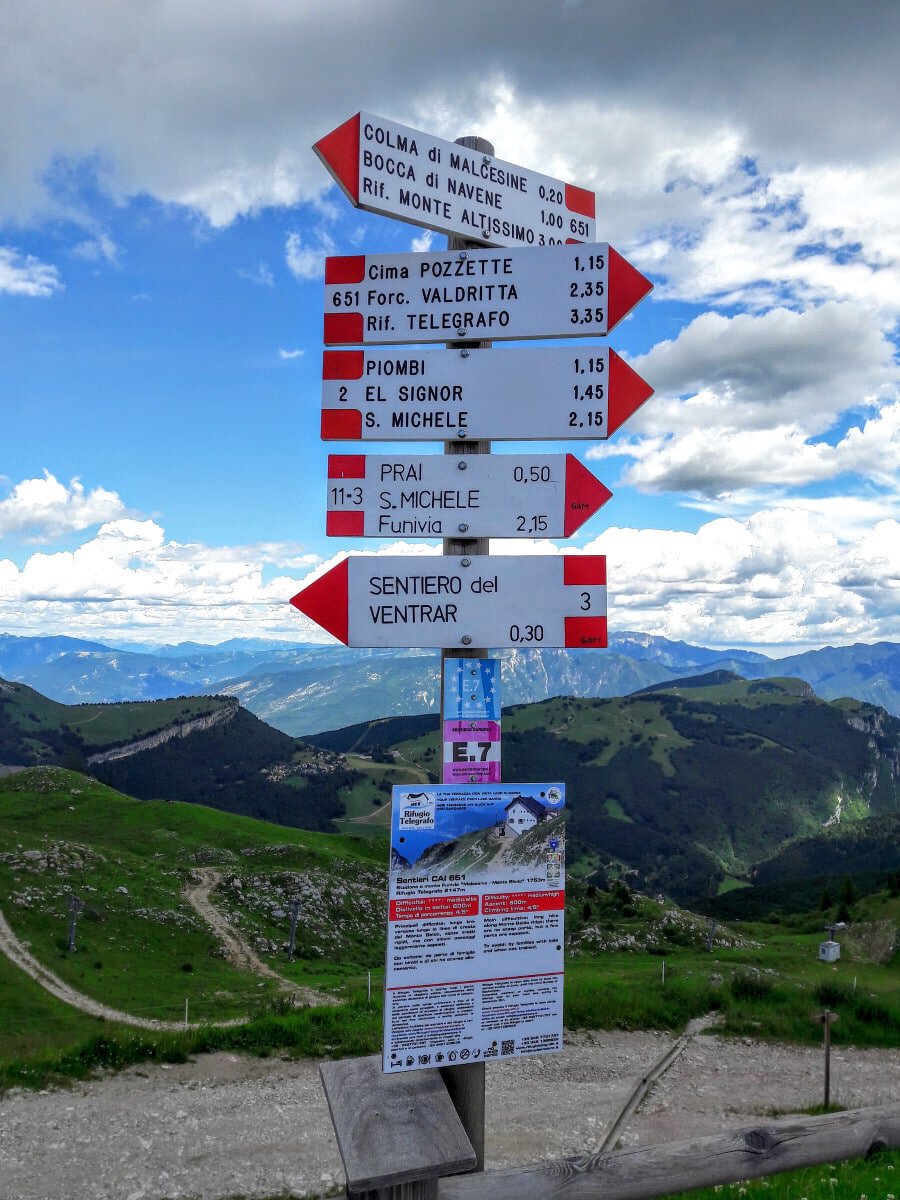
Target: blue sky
{"x":163,"y":222}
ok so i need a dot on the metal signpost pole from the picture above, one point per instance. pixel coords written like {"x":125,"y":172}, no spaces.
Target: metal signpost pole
{"x":466,"y":1083}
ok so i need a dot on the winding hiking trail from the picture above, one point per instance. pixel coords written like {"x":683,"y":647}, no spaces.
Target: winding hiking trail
{"x":237,"y":951}
{"x":16,"y":952}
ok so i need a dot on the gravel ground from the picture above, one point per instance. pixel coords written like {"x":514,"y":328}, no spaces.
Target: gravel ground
{"x":226,"y":1126}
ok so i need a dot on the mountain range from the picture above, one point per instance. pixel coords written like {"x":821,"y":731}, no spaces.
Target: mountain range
{"x":302,"y":689}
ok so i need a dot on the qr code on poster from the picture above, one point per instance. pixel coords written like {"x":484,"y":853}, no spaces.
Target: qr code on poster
{"x":508,"y":1046}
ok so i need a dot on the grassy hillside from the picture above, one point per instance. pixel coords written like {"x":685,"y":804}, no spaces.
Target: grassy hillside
{"x":198,"y":749}
{"x":140,"y":946}
{"x":688,"y":785}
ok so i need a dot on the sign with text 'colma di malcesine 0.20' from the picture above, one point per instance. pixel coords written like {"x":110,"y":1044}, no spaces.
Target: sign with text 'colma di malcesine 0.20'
{"x":567,"y":393}
{"x":508,"y":600}
{"x":550,"y":292}
{"x":399,"y":172}
{"x":475,"y":924}
{"x":472,"y":495}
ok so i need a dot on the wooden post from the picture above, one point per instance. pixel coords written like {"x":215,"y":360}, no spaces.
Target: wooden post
{"x":295,"y":913}
{"x":827,"y":1018}
{"x":75,"y":907}
{"x":466,"y":1083}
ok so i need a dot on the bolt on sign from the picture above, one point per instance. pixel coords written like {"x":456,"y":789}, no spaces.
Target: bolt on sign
{"x":387,"y":168}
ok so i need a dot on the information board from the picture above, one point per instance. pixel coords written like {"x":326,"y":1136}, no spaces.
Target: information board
{"x":475,"y":924}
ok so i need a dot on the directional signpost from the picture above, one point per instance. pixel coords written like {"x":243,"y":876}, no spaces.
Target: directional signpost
{"x":387,"y":168}
{"x":549,"y":393}
{"x":431,"y":495}
{"x":475,"y":943}
{"x":513,"y":600}
{"x":553,"y":291}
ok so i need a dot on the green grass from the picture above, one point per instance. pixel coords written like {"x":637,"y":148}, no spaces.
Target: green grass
{"x":876,"y":1178}
{"x":144,"y":951}
{"x":106,"y":724}
{"x":350,"y":1029}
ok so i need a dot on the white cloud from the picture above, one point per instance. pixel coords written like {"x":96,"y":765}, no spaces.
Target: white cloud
{"x":785,"y":576}
{"x":289,"y":354}
{"x":777,"y":401}
{"x":307,"y":262}
{"x":423,"y":243}
{"x":259,"y":274}
{"x":24,"y":275}
{"x":44,"y":508}
{"x":96,"y":249}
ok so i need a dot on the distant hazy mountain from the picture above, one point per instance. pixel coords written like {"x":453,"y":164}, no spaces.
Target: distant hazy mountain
{"x":307,"y":688}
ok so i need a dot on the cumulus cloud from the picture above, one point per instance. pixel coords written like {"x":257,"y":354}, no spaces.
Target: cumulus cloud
{"x":25,"y":275}
{"x":785,"y":576}
{"x":289,"y":354}
{"x":130,"y":579}
{"x":259,"y":274}
{"x":779,"y":400}
{"x":43,"y":508}
{"x":703,"y":125}
{"x":307,"y":261}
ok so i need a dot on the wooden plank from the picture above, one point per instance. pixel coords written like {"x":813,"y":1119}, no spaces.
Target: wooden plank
{"x":393,"y":1129}
{"x":698,"y":1162}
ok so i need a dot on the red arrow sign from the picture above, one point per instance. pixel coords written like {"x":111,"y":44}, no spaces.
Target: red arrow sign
{"x":507,"y":600}
{"x":525,"y":292}
{"x":479,"y":495}
{"x":561,"y":394}
{"x":399,"y":172}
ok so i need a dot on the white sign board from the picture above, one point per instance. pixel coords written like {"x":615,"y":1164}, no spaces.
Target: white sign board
{"x":475,"y":924}
{"x":553,"y":291}
{"x":399,"y":172}
{"x":577,"y":393}
{"x":432,"y":495}
{"x":507,"y":600}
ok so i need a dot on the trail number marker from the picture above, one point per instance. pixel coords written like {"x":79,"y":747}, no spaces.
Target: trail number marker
{"x":527,"y":600}
{"x":432,"y":495}
{"x":399,"y":172}
{"x":563,"y":393}
{"x":553,"y":291}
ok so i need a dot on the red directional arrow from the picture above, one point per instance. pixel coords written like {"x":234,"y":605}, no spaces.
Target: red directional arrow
{"x":339,"y":151}
{"x":627,"y":391}
{"x":326,"y":600}
{"x":584,"y":495}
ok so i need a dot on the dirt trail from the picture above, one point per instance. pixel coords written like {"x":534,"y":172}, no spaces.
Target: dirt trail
{"x":15,"y":951}
{"x":238,"y":953}
{"x":225,"y":1126}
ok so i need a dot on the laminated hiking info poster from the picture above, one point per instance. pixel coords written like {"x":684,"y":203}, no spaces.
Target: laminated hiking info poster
{"x":475,"y":924}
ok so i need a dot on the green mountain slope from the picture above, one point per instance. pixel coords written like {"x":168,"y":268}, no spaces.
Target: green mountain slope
{"x":141,"y":947}
{"x":199,"y":749}
{"x":690,"y":783}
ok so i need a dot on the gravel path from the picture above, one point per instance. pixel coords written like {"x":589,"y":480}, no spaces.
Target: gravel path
{"x":237,"y":951}
{"x":225,"y":1126}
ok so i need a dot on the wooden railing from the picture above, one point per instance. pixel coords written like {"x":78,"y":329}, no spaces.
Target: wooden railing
{"x":400,"y":1138}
